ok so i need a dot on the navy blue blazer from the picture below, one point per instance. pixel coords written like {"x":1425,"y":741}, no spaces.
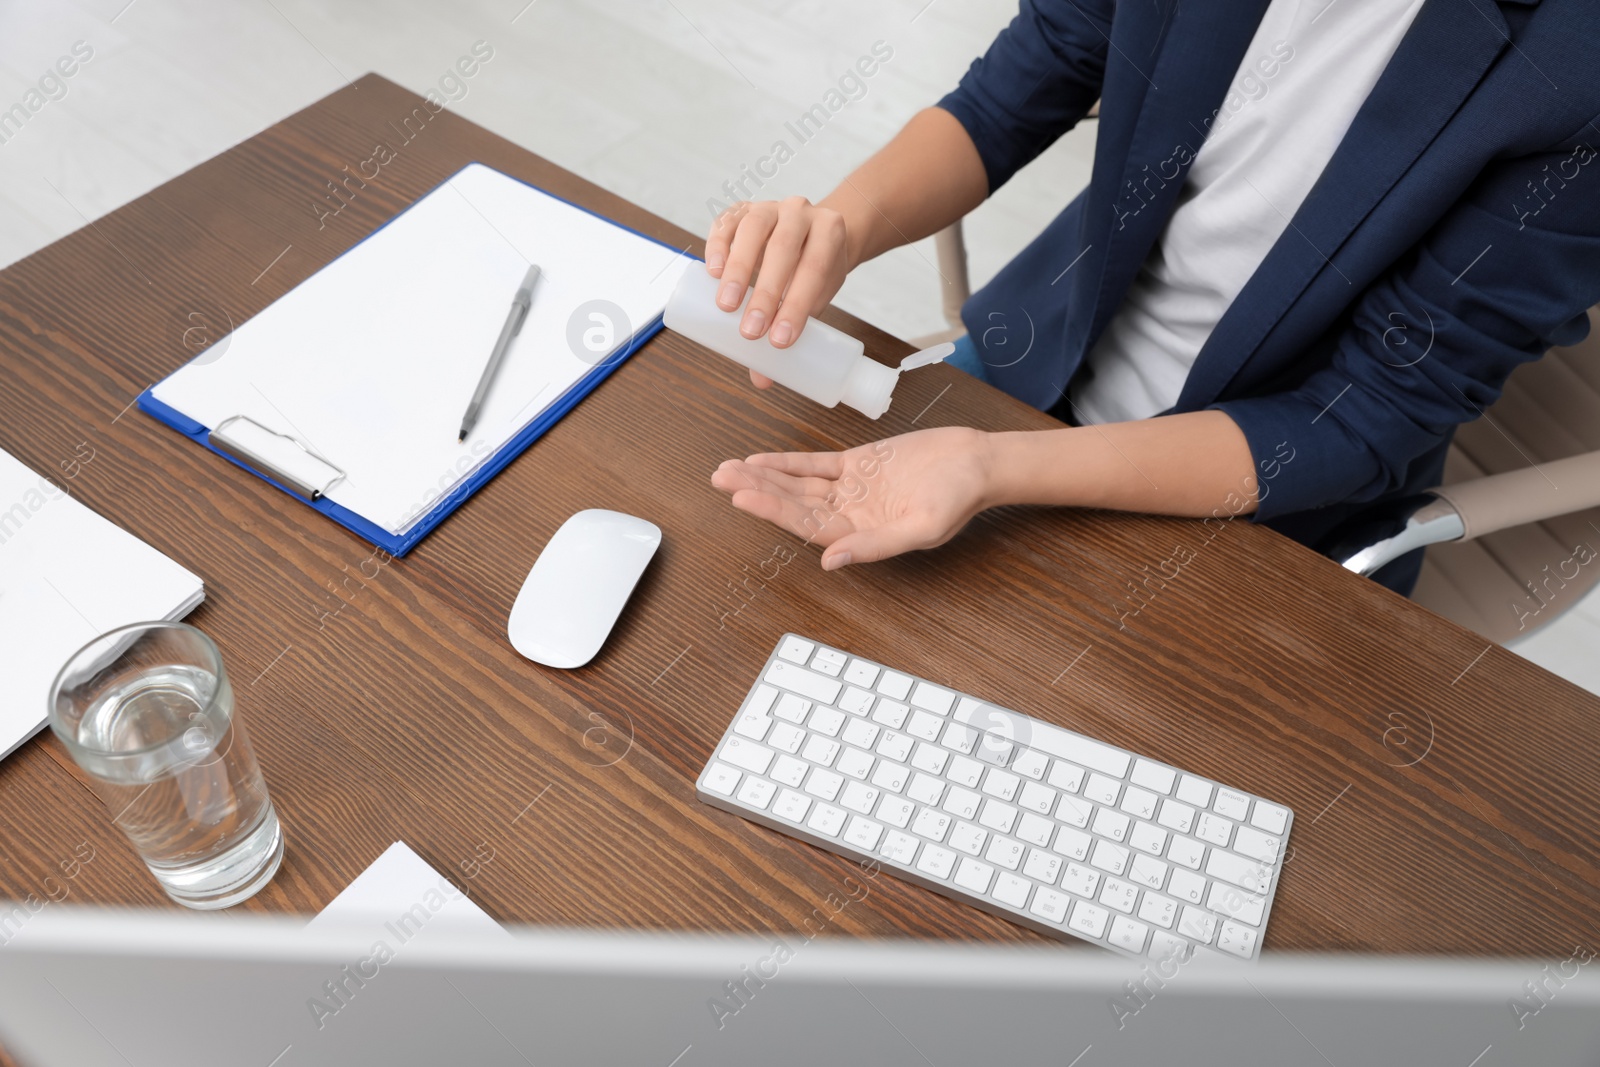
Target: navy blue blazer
{"x":1454,"y":235}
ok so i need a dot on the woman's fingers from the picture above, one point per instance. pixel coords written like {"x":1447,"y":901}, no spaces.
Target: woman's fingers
{"x":871,"y":545}
{"x":744,"y":254}
{"x":777,"y":265}
{"x":801,"y":464}
{"x":815,"y":523}
{"x":813,"y":492}
{"x":720,"y":238}
{"x":817,"y":277}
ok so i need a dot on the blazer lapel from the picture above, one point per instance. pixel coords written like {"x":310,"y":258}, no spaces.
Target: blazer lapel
{"x":1440,"y":60}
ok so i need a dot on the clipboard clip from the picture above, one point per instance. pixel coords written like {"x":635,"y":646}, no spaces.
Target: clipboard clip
{"x":277,"y":455}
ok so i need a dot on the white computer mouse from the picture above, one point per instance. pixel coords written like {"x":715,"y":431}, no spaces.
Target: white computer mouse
{"x":578,"y":586}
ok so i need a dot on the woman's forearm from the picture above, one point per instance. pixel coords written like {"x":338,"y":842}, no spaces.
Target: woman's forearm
{"x":1190,"y":464}
{"x":929,"y":176}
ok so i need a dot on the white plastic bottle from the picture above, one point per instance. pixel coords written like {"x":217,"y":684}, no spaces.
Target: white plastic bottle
{"x":825,"y":364}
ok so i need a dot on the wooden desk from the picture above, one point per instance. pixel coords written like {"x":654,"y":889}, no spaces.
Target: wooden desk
{"x":385,"y":702}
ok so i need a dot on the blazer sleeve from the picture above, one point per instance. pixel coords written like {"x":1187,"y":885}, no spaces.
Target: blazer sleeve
{"x":1503,"y":276}
{"x":1039,"y":77}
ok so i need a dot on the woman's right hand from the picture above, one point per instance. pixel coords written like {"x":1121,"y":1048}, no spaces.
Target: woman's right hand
{"x":797,"y":253}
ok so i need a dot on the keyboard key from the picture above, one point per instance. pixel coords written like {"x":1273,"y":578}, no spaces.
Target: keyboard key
{"x":1147,"y":838}
{"x":1001,"y":784}
{"x":1162,"y":911}
{"x":971,"y":874}
{"x":891,"y":776}
{"x":1009,"y":889}
{"x":900,"y":847}
{"x":1256,"y":845}
{"x":863,"y":833}
{"x":1187,"y":886}
{"x":1197,"y":924}
{"x":795,"y":649}
{"x":1042,"y":866}
{"x":829,"y":661}
{"x":1119,"y":895}
{"x":1196,"y":791}
{"x":962,"y":804}
{"x":968,"y":838}
{"x":791,"y":805}
{"x":1164,"y":946}
{"x":861,"y":673}
{"x":1048,"y":904}
{"x":1088,"y":919}
{"x":930,"y":758}
{"x":894,"y":685}
{"x":1035,"y":829}
{"x":1080,"y":880}
{"x":792,"y":708}
{"x":924,"y":725}
{"x":821,"y":750}
{"x":1073,"y":810}
{"x":1152,"y":776}
{"x":998,"y":816}
{"x":1269,"y":817}
{"x":1031,"y":764}
{"x":756,"y":792}
{"x":1109,"y":857}
{"x":1231,"y":805}
{"x":1186,"y":851}
{"x":891,"y":714}
{"x":932,"y":698}
{"x":1213,"y":829}
{"x":1112,"y":824}
{"x":789,"y":771}
{"x":960,"y":738}
{"x":826,"y":721}
{"x":925,"y":789}
{"x":1125,"y":933}
{"x":936,"y":861}
{"x":1176,"y":816}
{"x":786,"y":737}
{"x":964,"y":771}
{"x":808,"y":684}
{"x":1247,"y":874}
{"x":1005,"y":852}
{"x":721,"y":778}
{"x":1073,"y":844}
{"x":746,"y":755}
{"x":761,"y":701}
{"x":1064,"y":775}
{"x":1148,"y":872}
{"x":896,"y":811}
{"x":1140,"y":803}
{"x":855,"y":763}
{"x":827,"y":820}
{"x":1236,"y":940}
{"x":1236,"y":903}
{"x":931,"y":823}
{"x":1102,"y":790}
{"x":752,"y":724}
{"x":994,"y":749}
{"x":860,"y":733}
{"x":824,"y":784}
{"x":858,"y":797}
{"x":1036,"y":797}
{"x":895,"y":746}
{"x":856,"y":701}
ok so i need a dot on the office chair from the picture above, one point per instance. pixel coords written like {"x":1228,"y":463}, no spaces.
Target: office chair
{"x":1514,"y":529}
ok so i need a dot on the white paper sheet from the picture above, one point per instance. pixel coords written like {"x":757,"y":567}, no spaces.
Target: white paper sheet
{"x":370,"y":363}
{"x":67,"y":575}
{"x":399,"y":897}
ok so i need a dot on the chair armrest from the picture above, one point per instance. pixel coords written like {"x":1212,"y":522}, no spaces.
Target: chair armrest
{"x":1385,"y":535}
{"x":1532,"y":494}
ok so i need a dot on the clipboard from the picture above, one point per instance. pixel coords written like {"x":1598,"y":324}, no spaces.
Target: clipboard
{"x":483,"y":225}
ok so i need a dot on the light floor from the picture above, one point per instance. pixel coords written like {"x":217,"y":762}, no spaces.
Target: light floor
{"x":661,"y":101}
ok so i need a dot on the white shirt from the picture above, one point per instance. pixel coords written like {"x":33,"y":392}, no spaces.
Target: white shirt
{"x":1304,"y":77}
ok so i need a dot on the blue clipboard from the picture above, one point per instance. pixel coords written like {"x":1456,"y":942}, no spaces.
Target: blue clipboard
{"x":400,"y":544}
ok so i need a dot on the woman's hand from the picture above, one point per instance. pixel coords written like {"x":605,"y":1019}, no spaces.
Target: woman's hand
{"x":796,"y":252}
{"x":872,"y":502}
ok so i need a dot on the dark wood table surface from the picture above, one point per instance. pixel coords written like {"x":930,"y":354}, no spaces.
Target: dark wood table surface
{"x":1447,"y":793}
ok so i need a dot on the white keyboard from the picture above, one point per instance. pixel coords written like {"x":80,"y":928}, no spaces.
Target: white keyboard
{"x":1034,"y":823}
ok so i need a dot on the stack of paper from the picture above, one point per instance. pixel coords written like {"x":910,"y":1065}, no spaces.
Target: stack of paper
{"x":67,"y":576}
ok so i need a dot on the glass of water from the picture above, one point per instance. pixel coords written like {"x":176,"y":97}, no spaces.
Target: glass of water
{"x":147,"y":711}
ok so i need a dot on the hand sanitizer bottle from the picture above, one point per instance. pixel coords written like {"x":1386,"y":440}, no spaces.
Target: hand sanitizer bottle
{"x":825,"y":364}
